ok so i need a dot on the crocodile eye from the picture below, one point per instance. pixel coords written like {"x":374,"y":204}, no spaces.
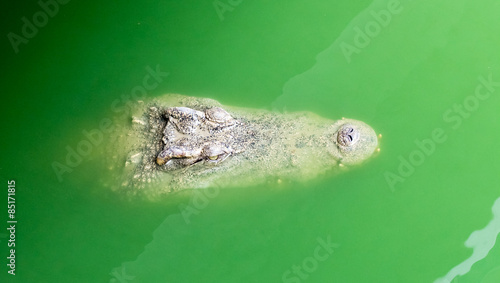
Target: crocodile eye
{"x":347,"y":135}
{"x":216,"y":159}
{"x":215,"y":153}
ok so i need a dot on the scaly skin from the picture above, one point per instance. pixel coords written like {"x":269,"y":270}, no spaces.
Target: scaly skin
{"x":178,"y":142}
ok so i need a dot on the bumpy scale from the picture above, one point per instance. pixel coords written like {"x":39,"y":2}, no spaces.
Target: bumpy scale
{"x":177,"y":142}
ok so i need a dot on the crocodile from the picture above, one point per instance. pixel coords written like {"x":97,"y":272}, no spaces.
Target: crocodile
{"x":177,"y":142}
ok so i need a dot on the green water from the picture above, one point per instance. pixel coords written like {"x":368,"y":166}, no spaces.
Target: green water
{"x":416,"y":71}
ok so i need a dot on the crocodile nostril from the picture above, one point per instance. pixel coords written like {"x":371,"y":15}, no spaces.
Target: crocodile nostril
{"x":347,"y":135}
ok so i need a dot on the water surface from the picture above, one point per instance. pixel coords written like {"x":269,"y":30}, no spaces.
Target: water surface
{"x":410,"y":69}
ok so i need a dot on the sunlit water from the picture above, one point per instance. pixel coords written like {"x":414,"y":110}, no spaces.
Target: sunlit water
{"x":425,"y":74}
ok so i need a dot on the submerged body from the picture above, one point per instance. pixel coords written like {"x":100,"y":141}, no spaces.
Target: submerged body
{"x":178,"y":142}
